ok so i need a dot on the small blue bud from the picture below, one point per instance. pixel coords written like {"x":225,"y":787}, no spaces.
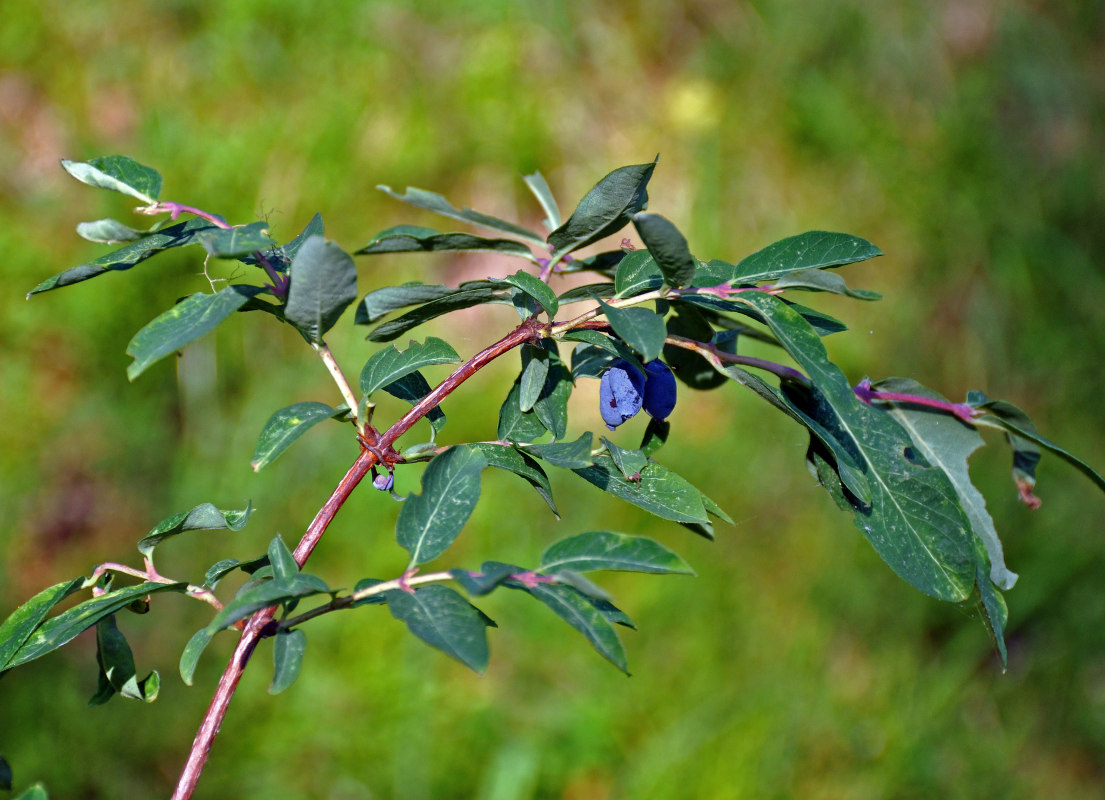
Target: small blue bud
{"x":621,"y":392}
{"x":384,"y":481}
{"x":659,"y":390}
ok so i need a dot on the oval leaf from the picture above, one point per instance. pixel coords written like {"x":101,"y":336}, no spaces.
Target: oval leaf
{"x":428,"y":523}
{"x":443,"y":619}
{"x":323,"y":285}
{"x":119,"y":174}
{"x":641,"y":329}
{"x":581,"y":612}
{"x":185,"y":322}
{"x":59,"y":630}
{"x":287,"y":652}
{"x":432,"y":201}
{"x":22,"y":622}
{"x":413,"y":239}
{"x":204,"y":517}
{"x":810,"y":250}
{"x":605,"y":209}
{"x":535,"y":288}
{"x":389,"y":365}
{"x":668,"y":247}
{"x":606,"y":550}
{"x":284,"y":427}
{"x":126,"y":257}
{"x":638,"y":272}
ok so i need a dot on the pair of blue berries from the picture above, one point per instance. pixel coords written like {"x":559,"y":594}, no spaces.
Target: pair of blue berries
{"x":624,"y":390}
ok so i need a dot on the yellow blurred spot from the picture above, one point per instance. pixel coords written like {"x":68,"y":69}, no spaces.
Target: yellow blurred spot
{"x":693,"y":105}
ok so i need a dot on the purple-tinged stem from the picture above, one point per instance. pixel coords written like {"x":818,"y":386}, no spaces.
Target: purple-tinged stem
{"x":174,"y":210}
{"x":962,"y":411}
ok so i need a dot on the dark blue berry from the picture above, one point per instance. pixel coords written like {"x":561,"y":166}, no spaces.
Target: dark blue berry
{"x":621,"y":392}
{"x":659,"y":390}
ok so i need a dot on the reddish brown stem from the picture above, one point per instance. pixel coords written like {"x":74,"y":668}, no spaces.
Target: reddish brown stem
{"x":528,"y":331}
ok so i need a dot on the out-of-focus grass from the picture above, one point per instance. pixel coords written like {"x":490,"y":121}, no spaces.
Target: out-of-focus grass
{"x":962,"y":137}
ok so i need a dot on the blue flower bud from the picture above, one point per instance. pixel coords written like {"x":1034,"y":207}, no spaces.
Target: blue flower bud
{"x":384,"y":481}
{"x":621,"y":392}
{"x":659,"y":390}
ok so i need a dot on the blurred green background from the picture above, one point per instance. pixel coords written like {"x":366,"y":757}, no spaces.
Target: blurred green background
{"x":964,"y":137}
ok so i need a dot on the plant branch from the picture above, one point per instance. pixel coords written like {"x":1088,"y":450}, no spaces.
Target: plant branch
{"x":254,"y":629}
{"x":346,"y":390}
{"x":370,"y":456}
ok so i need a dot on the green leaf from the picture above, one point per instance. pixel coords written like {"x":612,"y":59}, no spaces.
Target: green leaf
{"x":119,"y":174}
{"x":820,"y":281}
{"x":535,"y":288}
{"x":540,"y":188}
{"x":204,"y":517}
{"x":581,"y":612}
{"x":638,"y":272}
{"x":287,"y":425}
{"x":522,"y":465}
{"x":668,"y":247}
{"x":323,"y":285}
{"x":413,"y":388}
{"x":588,"y":291}
{"x":457,"y":299}
{"x":606,"y":209}
{"x":185,"y":322}
{"x":126,"y":257}
{"x":516,"y":425}
{"x":428,"y":523}
{"x":914,"y":519}
{"x":117,"y":670}
{"x":441,"y":618}
{"x":947,"y":443}
{"x":378,"y":304}
{"x":108,"y":231}
{"x":641,"y":329}
{"x":240,"y":240}
{"x":22,"y":622}
{"x":287,"y":653}
{"x":280,"y":557}
{"x":810,"y":250}
{"x":660,"y":491}
{"x":606,"y":550}
{"x":589,"y":361}
{"x":629,"y":462}
{"x":552,"y":405}
{"x":223,"y":567}
{"x":995,"y":612}
{"x":59,"y":630}
{"x":570,"y":455}
{"x":389,"y":364}
{"x":608,"y":343}
{"x":535,"y":369}
{"x":264,"y":594}
{"x":35,"y":792}
{"x":432,"y":201}
{"x":415,"y":239}
{"x":191,"y":655}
